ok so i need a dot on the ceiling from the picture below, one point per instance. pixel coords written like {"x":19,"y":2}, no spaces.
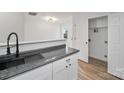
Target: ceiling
{"x":61,"y":16}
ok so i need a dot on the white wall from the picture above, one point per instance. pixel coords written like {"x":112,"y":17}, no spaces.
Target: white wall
{"x":68,"y":25}
{"x":11,"y":22}
{"x":38,"y":29}
{"x":30,"y":28}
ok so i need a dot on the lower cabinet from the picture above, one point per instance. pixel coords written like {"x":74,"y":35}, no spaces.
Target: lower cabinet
{"x":65,"y":69}
{"x":41,"y":73}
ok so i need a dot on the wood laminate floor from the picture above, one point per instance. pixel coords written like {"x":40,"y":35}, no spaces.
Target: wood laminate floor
{"x":94,"y":70}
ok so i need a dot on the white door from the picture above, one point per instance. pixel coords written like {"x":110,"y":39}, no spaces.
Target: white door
{"x":113,"y":42}
{"x":80,"y":34}
{"x":116,"y":44}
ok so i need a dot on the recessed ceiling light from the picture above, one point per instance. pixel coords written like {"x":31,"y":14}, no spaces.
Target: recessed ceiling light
{"x":50,"y":19}
{"x":32,"y":13}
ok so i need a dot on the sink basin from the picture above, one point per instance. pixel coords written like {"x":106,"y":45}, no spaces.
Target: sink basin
{"x":12,"y":61}
{"x":8,"y":63}
{"x":33,"y":58}
{"x":53,"y":54}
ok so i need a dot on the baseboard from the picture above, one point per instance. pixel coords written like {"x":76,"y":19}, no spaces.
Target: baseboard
{"x":82,"y":60}
{"x":92,"y":58}
{"x":97,"y":59}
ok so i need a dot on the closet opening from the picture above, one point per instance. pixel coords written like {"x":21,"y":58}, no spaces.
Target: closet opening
{"x":98,"y":40}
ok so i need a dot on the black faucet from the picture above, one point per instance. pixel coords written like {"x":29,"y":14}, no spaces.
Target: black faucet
{"x":17,"y":44}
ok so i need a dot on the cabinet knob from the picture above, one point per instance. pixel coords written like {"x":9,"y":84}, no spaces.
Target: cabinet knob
{"x":69,"y":64}
{"x":66,"y":66}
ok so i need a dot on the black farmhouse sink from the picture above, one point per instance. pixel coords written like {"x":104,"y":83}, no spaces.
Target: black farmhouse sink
{"x":11,"y":62}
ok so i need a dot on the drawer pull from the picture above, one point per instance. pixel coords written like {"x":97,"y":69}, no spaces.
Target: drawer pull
{"x":66,"y":66}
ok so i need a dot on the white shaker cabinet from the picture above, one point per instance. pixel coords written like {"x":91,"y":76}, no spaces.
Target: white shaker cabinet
{"x":41,"y":73}
{"x":73,"y":69}
{"x":60,"y":70}
{"x":65,"y":69}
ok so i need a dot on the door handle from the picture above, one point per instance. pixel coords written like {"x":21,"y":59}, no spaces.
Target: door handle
{"x":89,"y":40}
{"x":106,"y":42}
{"x":86,"y":42}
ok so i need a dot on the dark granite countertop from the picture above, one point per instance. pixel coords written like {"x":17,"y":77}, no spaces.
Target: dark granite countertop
{"x":30,"y":60}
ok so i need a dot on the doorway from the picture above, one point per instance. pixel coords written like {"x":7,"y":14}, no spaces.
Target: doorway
{"x":98,"y":39}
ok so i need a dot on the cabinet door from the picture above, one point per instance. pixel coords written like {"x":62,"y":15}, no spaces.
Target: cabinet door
{"x":72,"y":67}
{"x":60,"y":70}
{"x":41,"y":73}
{"x":65,"y":69}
